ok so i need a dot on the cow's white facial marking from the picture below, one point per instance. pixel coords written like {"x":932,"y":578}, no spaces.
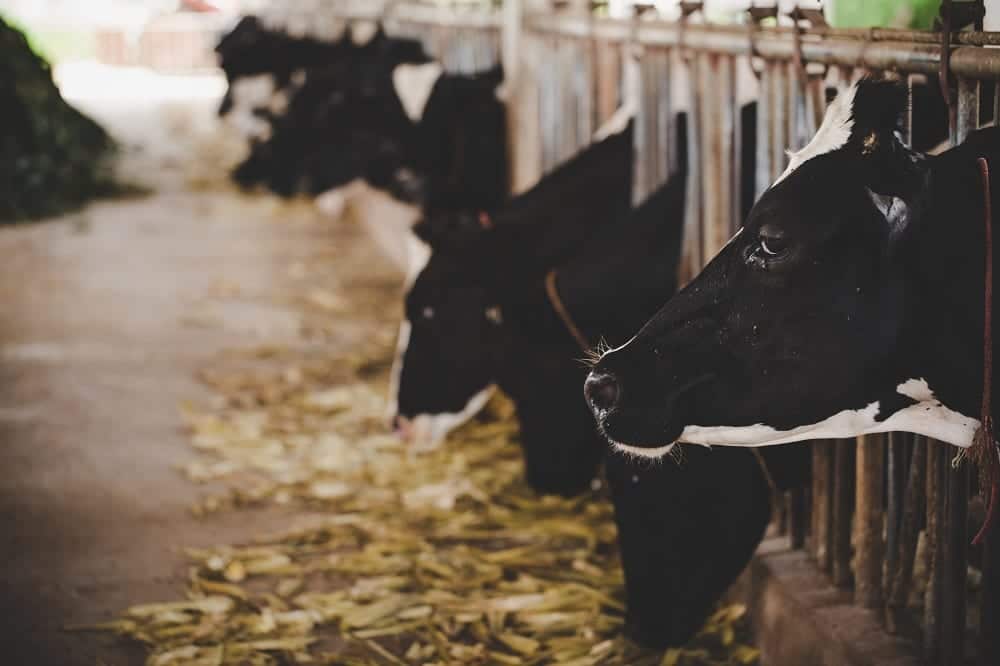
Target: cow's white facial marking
{"x":414,"y":84}
{"x":251,"y":93}
{"x":362,"y":32}
{"x":927,"y":417}
{"x":632,"y":96}
{"x":428,"y":431}
{"x":639,"y":452}
{"x":332,"y":203}
{"x":832,"y":134}
{"x":402,"y":343}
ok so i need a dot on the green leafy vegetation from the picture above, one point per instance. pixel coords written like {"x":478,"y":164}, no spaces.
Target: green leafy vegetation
{"x":52,"y":157}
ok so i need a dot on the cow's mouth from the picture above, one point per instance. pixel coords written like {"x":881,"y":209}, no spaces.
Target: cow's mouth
{"x":646,"y":431}
{"x":641,"y":433}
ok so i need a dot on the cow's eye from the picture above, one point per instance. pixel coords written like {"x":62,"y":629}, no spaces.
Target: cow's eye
{"x":427,"y":312}
{"x":772,"y":242}
{"x":771,"y":247}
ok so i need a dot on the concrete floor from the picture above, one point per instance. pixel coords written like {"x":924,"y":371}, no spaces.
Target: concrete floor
{"x":107,"y":315}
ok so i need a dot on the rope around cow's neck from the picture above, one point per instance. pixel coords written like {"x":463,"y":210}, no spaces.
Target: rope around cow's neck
{"x":552,"y":291}
{"x":984,"y":450}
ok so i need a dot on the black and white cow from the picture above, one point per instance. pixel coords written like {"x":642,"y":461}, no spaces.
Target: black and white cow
{"x":426,"y":137}
{"x":850,"y":302}
{"x":492,"y":250}
{"x":685,"y":531}
{"x":265,"y":67}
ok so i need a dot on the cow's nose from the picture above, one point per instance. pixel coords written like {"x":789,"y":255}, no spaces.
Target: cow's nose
{"x":602,"y":391}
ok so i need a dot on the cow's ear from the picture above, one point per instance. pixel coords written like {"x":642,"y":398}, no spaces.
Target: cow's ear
{"x":888,"y":166}
{"x":491,"y":77}
{"x":878,"y":107}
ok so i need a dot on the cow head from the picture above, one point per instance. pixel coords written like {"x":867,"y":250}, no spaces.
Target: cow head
{"x":452,"y":334}
{"x":456,"y":329}
{"x":791,"y":332}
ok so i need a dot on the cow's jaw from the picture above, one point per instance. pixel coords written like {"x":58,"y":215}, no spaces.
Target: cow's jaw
{"x":413,"y":85}
{"x":926,"y":416}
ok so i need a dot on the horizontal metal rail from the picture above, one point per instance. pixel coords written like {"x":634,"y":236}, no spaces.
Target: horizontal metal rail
{"x":834,"y":48}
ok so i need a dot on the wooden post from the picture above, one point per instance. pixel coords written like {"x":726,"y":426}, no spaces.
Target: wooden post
{"x":914,"y":507}
{"x":520,"y":76}
{"x":843,"y":499}
{"x":868,"y":519}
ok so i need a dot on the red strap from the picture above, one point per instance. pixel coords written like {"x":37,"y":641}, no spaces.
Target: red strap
{"x":984,"y":446}
{"x":485,"y":221}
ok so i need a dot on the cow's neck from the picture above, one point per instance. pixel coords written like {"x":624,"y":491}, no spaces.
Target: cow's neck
{"x":943,"y":336}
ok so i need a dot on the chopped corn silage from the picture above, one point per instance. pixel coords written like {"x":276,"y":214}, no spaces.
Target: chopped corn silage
{"x":393,"y":556}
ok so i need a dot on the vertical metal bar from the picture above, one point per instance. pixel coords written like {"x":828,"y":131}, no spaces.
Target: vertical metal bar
{"x":642,"y":128}
{"x":763,"y":175}
{"x":728,"y":120}
{"x":915,"y":506}
{"x":843,"y":501}
{"x":779,"y":118}
{"x":956,"y":499}
{"x":967,"y":118}
{"x":668,"y":112}
{"x":664,"y":115}
{"x":546,"y":97}
{"x":868,"y":518}
{"x":651,"y":119}
{"x":935,"y":546}
{"x":584,"y":92}
{"x":572,"y":73}
{"x":908,"y":116}
{"x":715,"y":181}
{"x":734,"y":113}
{"x":996,"y":102}
{"x":607,"y":80}
{"x":691,"y":257}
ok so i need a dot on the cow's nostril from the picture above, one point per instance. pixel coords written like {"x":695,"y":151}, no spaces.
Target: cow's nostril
{"x":601,"y":391}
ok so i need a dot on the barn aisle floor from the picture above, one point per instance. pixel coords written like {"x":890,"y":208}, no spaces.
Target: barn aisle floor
{"x":108,"y":314}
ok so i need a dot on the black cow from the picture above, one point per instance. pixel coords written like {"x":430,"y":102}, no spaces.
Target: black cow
{"x":850,"y":302}
{"x":685,"y":531}
{"x":492,"y":251}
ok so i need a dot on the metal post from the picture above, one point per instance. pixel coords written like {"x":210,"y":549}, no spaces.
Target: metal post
{"x":692,"y":259}
{"x":764,"y":105}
